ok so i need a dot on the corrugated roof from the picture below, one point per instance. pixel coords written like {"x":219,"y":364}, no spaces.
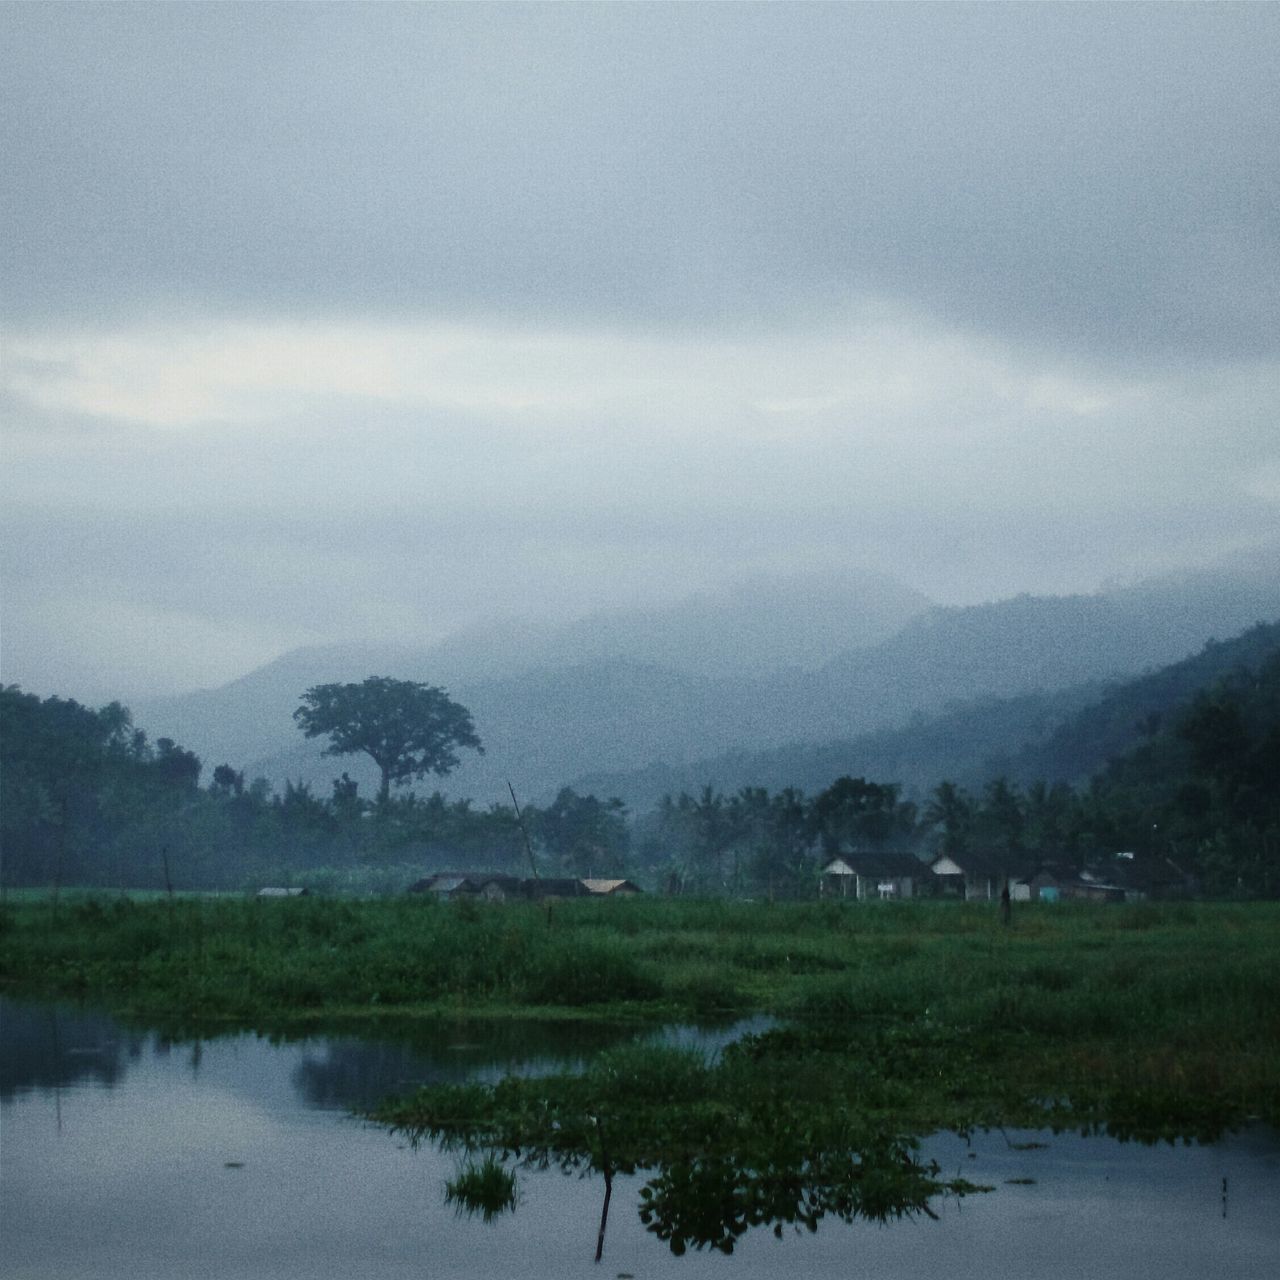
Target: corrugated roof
{"x":555,"y":888}
{"x":608,"y":886}
{"x":991,"y":862}
{"x":447,"y":884}
{"x":890,"y":865}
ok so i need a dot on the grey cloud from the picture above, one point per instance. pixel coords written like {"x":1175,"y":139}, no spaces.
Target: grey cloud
{"x":665,"y":231}
{"x":1099,"y":178}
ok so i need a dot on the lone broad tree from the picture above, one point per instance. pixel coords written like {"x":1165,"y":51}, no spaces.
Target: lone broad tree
{"x":408,"y":729}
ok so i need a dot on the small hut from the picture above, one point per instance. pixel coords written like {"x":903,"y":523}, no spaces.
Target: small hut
{"x":868,"y":876}
{"x":612,"y":888}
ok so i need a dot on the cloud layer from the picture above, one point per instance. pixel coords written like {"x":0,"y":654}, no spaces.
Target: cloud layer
{"x":335,"y":321}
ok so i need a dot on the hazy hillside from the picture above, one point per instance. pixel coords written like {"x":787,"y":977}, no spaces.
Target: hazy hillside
{"x":1035,"y":643}
{"x":1068,"y":735}
{"x":963,"y":744}
{"x":542,"y":729}
{"x":751,"y":628}
{"x":1129,"y":713}
{"x":546,"y":726}
{"x":251,"y":718}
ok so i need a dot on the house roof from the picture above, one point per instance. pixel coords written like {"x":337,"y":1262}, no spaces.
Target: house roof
{"x":555,"y":888}
{"x":1144,"y":875}
{"x":446,"y":884}
{"x":609,"y":886}
{"x":448,"y":881}
{"x":883,"y":864}
{"x":995,"y":863}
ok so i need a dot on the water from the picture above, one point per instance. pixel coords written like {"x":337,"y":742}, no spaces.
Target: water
{"x":124,"y":1155}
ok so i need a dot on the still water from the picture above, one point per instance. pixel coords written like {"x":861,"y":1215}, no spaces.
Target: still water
{"x":124,"y":1155}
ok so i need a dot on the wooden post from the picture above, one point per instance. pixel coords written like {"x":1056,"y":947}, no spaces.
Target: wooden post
{"x":528,"y":848}
{"x":607,"y":1169}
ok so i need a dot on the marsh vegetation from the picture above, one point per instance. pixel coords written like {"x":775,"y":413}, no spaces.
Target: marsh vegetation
{"x":891,"y":1022}
{"x":941,"y":1014}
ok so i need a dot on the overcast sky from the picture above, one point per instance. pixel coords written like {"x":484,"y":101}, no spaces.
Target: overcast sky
{"x":369,"y":321}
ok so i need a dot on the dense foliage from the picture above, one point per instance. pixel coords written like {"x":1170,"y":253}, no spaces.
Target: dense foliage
{"x":87,"y":799}
{"x":82,"y":791}
{"x":408,"y":729}
{"x":1150,"y":1021}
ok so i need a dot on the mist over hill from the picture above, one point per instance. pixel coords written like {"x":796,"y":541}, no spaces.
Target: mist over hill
{"x":1067,"y":735}
{"x":616,"y":712}
{"x":750,"y":628}
{"x":966,"y":744}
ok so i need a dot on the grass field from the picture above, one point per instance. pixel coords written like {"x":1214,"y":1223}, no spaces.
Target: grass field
{"x":942,"y":1016}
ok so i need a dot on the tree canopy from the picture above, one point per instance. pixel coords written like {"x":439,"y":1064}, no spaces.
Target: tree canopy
{"x":407,"y":729}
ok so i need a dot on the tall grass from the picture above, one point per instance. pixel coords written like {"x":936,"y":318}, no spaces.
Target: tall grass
{"x":1188,"y":972}
{"x":929,"y":1009}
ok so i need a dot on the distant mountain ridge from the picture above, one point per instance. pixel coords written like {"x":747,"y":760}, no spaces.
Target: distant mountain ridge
{"x":750,"y":628}
{"x":965,"y":744}
{"x":1068,"y":735}
{"x":1128,"y":713}
{"x":548,"y":725}
{"x":744,"y":630}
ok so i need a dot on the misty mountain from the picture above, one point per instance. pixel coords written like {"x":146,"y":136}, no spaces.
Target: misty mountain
{"x":1064,"y":736}
{"x":1129,"y":713}
{"x":966,"y":744}
{"x":1041,"y":643}
{"x":750,"y":628}
{"x":252,"y":718}
{"x":546,"y":726}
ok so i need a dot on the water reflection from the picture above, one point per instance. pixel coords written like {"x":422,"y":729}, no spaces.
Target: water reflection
{"x":342,"y":1071}
{"x":45,"y":1047}
{"x":721,"y":1148}
{"x":240,"y":1148}
{"x":51,"y":1046}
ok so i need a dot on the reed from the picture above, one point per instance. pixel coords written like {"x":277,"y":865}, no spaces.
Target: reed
{"x":1066,"y":1001}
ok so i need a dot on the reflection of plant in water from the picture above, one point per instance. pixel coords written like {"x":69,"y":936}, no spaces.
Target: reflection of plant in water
{"x":712,"y":1200}
{"x":483,"y":1187}
{"x":808,"y":1120}
{"x":742,"y":1142}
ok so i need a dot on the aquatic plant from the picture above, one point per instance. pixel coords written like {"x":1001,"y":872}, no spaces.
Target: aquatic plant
{"x":931,"y":1007}
{"x":723,"y":1146}
{"x":485,"y":1188}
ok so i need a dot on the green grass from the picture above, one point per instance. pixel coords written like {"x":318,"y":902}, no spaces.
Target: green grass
{"x":1098,"y":1003}
{"x":894,"y":1020}
{"x":484,"y":1188}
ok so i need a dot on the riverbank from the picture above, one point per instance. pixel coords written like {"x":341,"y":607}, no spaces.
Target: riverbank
{"x":246,"y":1141}
{"x":1079,"y":999}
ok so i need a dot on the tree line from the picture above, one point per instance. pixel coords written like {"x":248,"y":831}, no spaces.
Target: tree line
{"x":86,"y":798}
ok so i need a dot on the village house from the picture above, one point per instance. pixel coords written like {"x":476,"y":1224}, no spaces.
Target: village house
{"x":979,"y":876}
{"x":496,"y":887}
{"x":493,"y":886}
{"x":1119,"y":877}
{"x":870,"y":876}
{"x":1047,"y":883}
{"x":447,"y":885}
{"x":1125,"y":877}
{"x":611,"y":888}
